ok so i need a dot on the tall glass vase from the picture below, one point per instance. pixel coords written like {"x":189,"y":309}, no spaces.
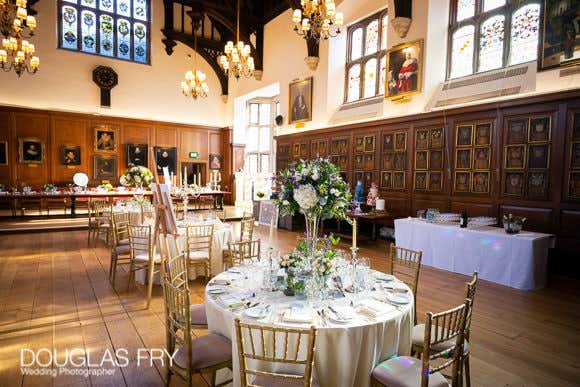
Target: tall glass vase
{"x":312,"y":223}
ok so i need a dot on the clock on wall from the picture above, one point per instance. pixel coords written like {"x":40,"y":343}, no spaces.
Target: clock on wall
{"x":106,"y":78}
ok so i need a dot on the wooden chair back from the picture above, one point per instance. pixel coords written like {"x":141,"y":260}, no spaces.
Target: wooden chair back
{"x":247,"y":229}
{"x":217,"y":214}
{"x":262,"y":343}
{"x":102,"y":211}
{"x":177,"y":323}
{"x":470,"y":288}
{"x":141,"y":240}
{"x":176,"y":270}
{"x":199,"y":238}
{"x":244,"y":251}
{"x":120,"y":222}
{"x":405,"y":264}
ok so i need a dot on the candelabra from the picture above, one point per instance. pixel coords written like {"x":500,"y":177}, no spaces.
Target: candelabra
{"x":17,"y":27}
{"x":237,"y":60}
{"x":317,"y":19}
{"x":194,"y":85}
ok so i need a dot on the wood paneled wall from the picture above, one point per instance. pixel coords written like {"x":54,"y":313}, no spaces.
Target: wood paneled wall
{"x":558,"y":212}
{"x":60,"y":128}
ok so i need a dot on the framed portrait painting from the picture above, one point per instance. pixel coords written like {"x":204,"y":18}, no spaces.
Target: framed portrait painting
{"x":481,"y":182}
{"x":462,"y":182}
{"x":464,"y":136}
{"x":137,"y":155}
{"x":401,"y":141}
{"x":165,"y":157}
{"x":404,"y":69}
{"x":436,"y":159}
{"x":359,"y":144}
{"x":105,"y":167}
{"x":369,"y":144}
{"x":70,"y":155}
{"x":215,"y":162}
{"x":105,"y":139}
{"x":3,"y":153}
{"x":540,"y":129}
{"x":386,"y":180}
{"x":420,"y":181}
{"x":435,"y":181}
{"x":483,"y":134}
{"x":300,"y":100}
{"x":437,"y":138}
{"x":388,"y":142}
{"x":481,"y":158}
{"x":514,"y":184}
{"x":399,"y":180}
{"x":517,"y":130}
{"x":31,"y":150}
{"x":538,"y":184}
{"x":560,"y":31}
{"x":388,"y":160}
{"x":422,"y":139}
{"x":539,"y":156}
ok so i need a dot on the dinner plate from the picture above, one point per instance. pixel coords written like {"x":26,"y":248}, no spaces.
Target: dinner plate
{"x":385,"y":277}
{"x":258,"y":312}
{"x":398,"y":298}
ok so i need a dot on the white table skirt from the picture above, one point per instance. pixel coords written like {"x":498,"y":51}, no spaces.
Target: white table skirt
{"x":222,"y":235}
{"x":518,"y":261}
{"x":345,"y":354}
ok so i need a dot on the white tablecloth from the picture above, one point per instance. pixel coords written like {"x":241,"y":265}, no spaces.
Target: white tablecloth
{"x":518,"y":261}
{"x":345,"y":353}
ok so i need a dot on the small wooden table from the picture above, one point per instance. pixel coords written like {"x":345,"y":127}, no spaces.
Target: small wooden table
{"x":374,"y":217}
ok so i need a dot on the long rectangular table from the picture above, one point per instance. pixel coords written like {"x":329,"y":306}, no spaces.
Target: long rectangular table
{"x":518,"y":261}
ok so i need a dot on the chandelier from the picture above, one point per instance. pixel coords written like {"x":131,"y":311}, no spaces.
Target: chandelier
{"x":16,"y":27}
{"x":237,"y":60}
{"x":317,"y":19}
{"x":194,"y":85}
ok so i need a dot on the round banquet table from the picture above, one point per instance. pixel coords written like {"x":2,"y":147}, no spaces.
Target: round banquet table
{"x":346,"y":353}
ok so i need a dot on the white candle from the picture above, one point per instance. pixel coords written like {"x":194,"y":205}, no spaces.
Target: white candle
{"x":180,"y":179}
{"x":185,"y":175}
{"x":271,"y":237}
{"x":199,"y":178}
{"x":354,"y":232}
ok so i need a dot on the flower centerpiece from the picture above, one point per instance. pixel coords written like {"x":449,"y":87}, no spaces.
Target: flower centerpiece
{"x":315,"y":189}
{"x":49,"y":188}
{"x":105,"y":186}
{"x":136,"y":176}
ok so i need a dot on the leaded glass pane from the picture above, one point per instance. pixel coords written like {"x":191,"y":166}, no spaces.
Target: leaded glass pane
{"x":353,"y":83}
{"x":106,"y":5}
{"x":465,"y":9}
{"x":265,"y":163}
{"x":123,"y":39}
{"x":372,"y":39}
{"x":524,"y":34}
{"x":356,"y":44}
{"x":140,"y":42}
{"x":462,"y":52}
{"x":89,"y":3}
{"x":491,"y":43}
{"x":89,"y":32}
{"x":265,"y":114}
{"x":140,"y":9}
{"x":491,"y":4}
{"x":252,"y":140}
{"x":383,"y":68}
{"x":384,"y":29}
{"x":265,"y":139}
{"x":253,"y":163}
{"x":106,"y":35}
{"x":370,"y":78}
{"x":254,"y":113}
{"x":124,"y":7}
{"x":69,"y":27}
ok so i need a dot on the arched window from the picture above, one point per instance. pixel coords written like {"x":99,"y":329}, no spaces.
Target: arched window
{"x":365,"y":58}
{"x":486,"y":35}
{"x":112,"y":28}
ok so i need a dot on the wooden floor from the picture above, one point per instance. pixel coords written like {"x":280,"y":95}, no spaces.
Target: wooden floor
{"x":54,"y":293}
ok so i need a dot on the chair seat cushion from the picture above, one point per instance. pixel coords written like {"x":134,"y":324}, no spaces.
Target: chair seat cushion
{"x":123,"y":242}
{"x":419,"y":338}
{"x":144,"y":256}
{"x":198,"y":255}
{"x":405,"y":371}
{"x":271,"y":381}
{"x":123,"y":249}
{"x":197,"y":314}
{"x":206,"y":351}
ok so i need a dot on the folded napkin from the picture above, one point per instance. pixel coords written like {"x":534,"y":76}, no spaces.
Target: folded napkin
{"x":396,"y":287}
{"x":297,"y":314}
{"x":220,"y":281}
{"x":375,"y":308}
{"x":235,"y":300}
{"x":343,"y":312}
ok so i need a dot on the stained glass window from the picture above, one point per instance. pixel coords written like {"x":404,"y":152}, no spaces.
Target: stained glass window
{"x":372,"y":37}
{"x":491,"y":43}
{"x":462,"y":51}
{"x":356,"y":44}
{"x":112,"y":28}
{"x":370,"y":78}
{"x":383,"y":69}
{"x":354,"y":83}
{"x":524,"y":34}
{"x":465,"y":9}
{"x":384,"y":29}
{"x":488,"y":5}
{"x":491,"y":34}
{"x":365,"y":66}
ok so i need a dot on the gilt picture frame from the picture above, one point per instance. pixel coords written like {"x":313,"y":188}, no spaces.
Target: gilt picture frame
{"x":300,"y":100}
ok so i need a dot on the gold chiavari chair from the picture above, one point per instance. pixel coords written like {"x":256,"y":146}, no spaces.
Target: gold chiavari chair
{"x":176,"y":270}
{"x":92,"y":216}
{"x":217,"y":214}
{"x":147,"y":211}
{"x":419,"y":332}
{"x":206,"y":354}
{"x":206,"y":202}
{"x":103,"y":213}
{"x":179,"y":207}
{"x":444,"y":330}
{"x":247,"y":229}
{"x":199,"y":239}
{"x":405,"y":264}
{"x":258,"y":343}
{"x":143,"y":255}
{"x":240,"y":252}
{"x":121,"y":251}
